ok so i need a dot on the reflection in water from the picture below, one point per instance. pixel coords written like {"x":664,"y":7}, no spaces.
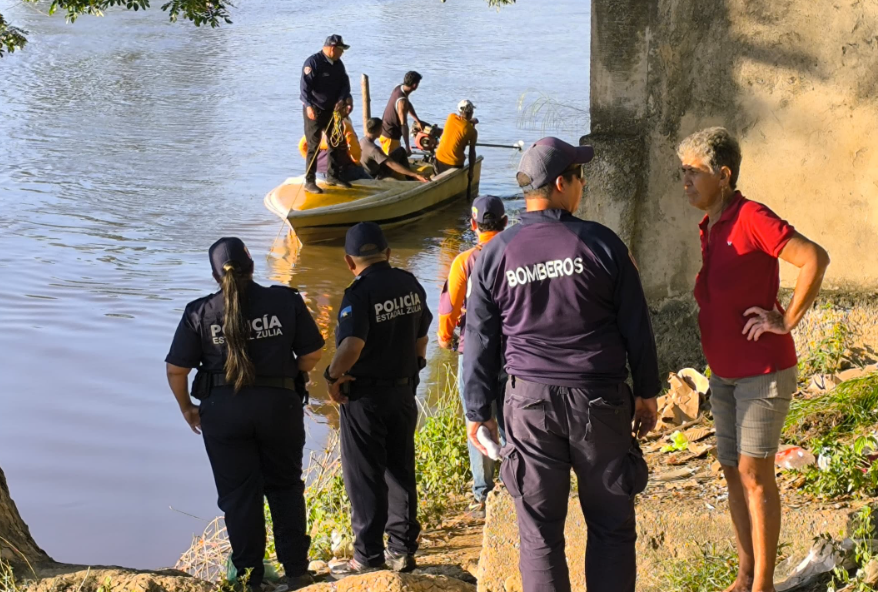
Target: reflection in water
{"x":128,"y":145}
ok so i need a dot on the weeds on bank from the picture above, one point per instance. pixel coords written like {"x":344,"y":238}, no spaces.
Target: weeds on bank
{"x":712,"y":568}
{"x":441,"y":465}
{"x":826,"y":356}
{"x":857,"y":570}
{"x":851,"y":405}
{"x":8,"y":583}
{"x":844,"y":469}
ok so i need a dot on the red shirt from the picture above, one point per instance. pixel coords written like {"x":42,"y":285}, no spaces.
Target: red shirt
{"x":739,"y":270}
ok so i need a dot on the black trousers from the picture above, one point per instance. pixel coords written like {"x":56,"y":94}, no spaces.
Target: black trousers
{"x":313,"y":134}
{"x":254,"y":440}
{"x":378,"y":462}
{"x":549,"y":430}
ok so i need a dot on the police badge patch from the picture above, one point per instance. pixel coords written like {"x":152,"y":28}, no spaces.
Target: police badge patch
{"x":307,"y":70}
{"x":345,"y":312}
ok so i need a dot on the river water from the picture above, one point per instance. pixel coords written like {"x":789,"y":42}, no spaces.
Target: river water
{"x":128,"y":145}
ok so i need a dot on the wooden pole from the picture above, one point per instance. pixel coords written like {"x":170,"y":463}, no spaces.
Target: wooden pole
{"x":367,"y":100}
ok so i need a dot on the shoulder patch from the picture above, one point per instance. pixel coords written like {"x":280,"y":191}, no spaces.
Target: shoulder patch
{"x":307,"y":70}
{"x":345,"y":312}
{"x":352,"y":284}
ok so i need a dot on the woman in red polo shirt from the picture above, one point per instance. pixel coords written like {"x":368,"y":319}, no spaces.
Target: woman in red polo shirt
{"x":746,"y":338}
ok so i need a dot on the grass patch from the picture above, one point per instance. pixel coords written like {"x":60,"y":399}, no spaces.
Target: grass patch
{"x":851,"y":405}
{"x":827,"y":355}
{"x":847,"y":469}
{"x":712,"y":568}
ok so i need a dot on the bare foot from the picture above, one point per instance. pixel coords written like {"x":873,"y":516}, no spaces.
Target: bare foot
{"x":742,"y":584}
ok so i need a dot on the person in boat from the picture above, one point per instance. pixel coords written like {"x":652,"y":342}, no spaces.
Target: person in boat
{"x":394,"y":123}
{"x":253,"y":346}
{"x":487,"y":221}
{"x":351,"y":170}
{"x":458,"y":135}
{"x":381,"y":341}
{"x":378,"y":164}
{"x":561,"y":297}
{"x":325,"y":89}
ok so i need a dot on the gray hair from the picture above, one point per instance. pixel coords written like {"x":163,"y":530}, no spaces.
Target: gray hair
{"x":717,"y":147}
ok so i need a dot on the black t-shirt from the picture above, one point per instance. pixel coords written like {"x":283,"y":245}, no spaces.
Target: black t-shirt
{"x":281,"y":329}
{"x":371,"y":156}
{"x":387,"y":308}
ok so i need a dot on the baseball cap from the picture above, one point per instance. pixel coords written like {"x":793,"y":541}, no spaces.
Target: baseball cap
{"x":546,"y":159}
{"x":364,"y":239}
{"x":465,"y":106}
{"x":335,"y":41}
{"x":487,"y":208}
{"x":229,"y":249}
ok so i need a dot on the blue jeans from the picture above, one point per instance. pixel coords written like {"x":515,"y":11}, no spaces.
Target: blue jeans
{"x":481,"y":466}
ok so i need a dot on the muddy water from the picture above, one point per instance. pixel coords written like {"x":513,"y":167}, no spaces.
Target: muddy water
{"x":127,"y":145}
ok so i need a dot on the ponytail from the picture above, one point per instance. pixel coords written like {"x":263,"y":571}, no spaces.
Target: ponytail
{"x":239,"y":367}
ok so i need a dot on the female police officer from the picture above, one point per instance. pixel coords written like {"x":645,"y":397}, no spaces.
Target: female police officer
{"x":249,"y":344}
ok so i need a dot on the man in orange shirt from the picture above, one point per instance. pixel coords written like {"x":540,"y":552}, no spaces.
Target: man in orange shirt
{"x":488,"y":219}
{"x":458,"y":134}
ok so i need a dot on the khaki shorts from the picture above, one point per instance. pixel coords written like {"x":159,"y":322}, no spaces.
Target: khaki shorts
{"x":749,"y":413}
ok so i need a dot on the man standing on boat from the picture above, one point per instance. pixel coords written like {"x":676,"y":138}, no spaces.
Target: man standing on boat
{"x":395,"y":122}
{"x":325,"y":89}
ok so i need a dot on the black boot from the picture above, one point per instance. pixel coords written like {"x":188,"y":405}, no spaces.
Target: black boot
{"x":311,"y":186}
{"x":336,"y":182}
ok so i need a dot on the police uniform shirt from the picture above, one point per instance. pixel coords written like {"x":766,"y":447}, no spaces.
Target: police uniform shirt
{"x":324,"y":82}
{"x":566,"y":298}
{"x":387,"y":308}
{"x":280,"y":327}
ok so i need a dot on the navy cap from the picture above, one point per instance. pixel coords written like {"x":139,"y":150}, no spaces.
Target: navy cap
{"x":548,"y":158}
{"x":229,"y":249}
{"x":487,"y":208}
{"x":364,"y":239}
{"x":335,"y":41}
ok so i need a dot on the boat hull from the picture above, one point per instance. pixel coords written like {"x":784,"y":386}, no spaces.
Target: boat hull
{"x":389,"y":203}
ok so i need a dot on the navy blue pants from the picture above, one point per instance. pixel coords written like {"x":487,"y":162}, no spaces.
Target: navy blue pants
{"x":378,"y":461}
{"x":551,"y":430}
{"x":254,"y":440}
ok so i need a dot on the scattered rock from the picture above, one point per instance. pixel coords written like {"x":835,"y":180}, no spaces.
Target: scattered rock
{"x":77,"y":578}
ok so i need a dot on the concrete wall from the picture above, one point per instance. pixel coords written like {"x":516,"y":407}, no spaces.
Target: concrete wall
{"x":796,"y":80}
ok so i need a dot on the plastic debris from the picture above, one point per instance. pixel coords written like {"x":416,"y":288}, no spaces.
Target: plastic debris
{"x":794,"y":457}
{"x":678,"y":443}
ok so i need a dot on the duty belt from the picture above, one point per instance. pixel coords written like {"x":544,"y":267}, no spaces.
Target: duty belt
{"x":382,"y":382}
{"x":217,"y":380}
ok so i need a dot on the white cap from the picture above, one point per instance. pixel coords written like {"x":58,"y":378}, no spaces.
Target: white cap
{"x":465,"y":106}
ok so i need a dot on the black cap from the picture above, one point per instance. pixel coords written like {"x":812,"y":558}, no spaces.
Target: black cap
{"x":487,"y":208}
{"x":548,"y":158}
{"x":229,"y":249}
{"x":365,"y":239}
{"x":335,"y":41}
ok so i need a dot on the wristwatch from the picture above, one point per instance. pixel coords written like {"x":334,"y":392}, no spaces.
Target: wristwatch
{"x":329,"y":378}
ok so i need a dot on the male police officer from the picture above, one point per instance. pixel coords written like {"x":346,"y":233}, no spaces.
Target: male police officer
{"x":381,"y":343}
{"x":325,"y":88}
{"x":488,"y":220}
{"x":566,"y":298}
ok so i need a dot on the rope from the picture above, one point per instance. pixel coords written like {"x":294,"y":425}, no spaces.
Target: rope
{"x":334,"y":140}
